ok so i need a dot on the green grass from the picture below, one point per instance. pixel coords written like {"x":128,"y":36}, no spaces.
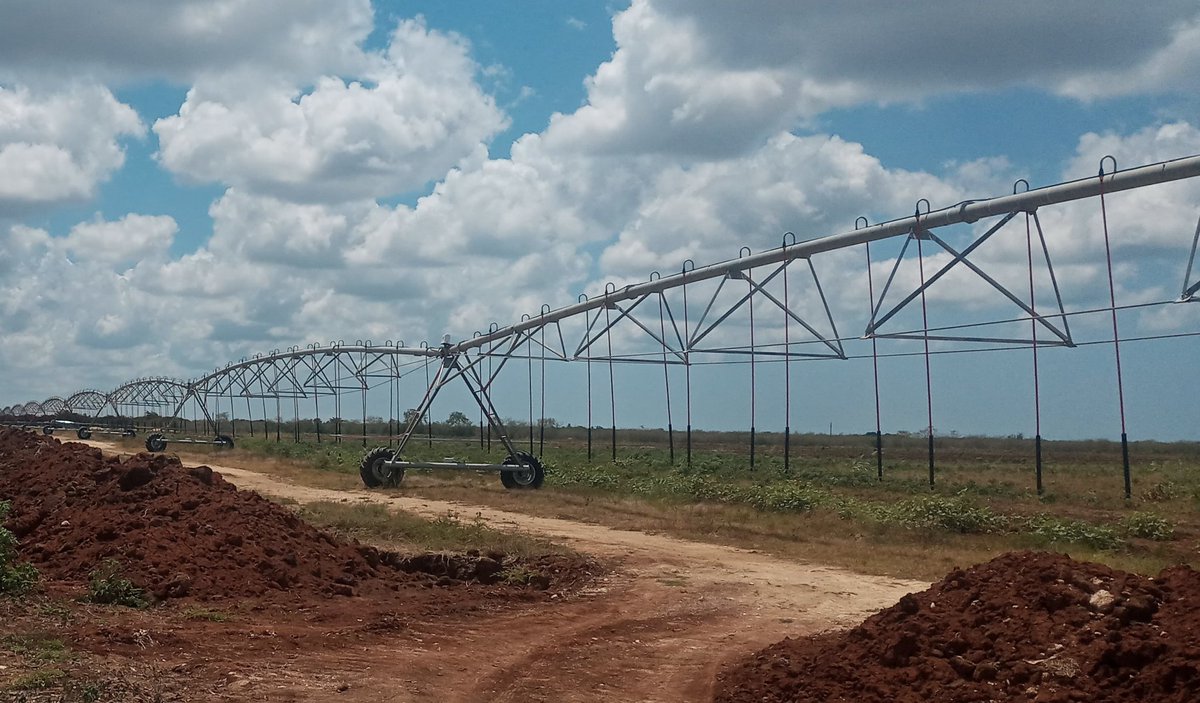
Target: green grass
{"x":829,"y":500}
{"x":39,"y":680}
{"x":37,"y":645}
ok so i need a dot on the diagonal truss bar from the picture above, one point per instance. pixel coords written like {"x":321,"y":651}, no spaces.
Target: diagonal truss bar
{"x":876,"y":323}
{"x":1189,"y":288}
{"x":759,"y":287}
{"x":1063,"y":335}
{"x":627,"y":314}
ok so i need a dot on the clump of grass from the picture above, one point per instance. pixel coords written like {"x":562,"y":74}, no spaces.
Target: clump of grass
{"x":519,"y":575}
{"x":39,"y":680}
{"x":1148,"y":526}
{"x":36,"y":645}
{"x":107,"y":585}
{"x":15,"y":579}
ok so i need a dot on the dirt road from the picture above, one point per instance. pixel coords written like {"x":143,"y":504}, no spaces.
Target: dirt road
{"x":657,"y":629}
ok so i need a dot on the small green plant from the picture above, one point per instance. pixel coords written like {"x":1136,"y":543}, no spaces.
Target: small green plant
{"x":107,"y":585}
{"x":40,"y":679}
{"x":15,"y":579}
{"x":1148,"y":526}
{"x":518,"y":575}
{"x":90,"y":691}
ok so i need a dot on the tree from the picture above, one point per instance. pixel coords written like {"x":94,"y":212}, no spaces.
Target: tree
{"x":458,"y":419}
{"x":458,"y":424}
{"x":411,"y":418}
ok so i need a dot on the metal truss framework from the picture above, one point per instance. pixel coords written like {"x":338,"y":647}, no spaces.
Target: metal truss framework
{"x":757,"y":308}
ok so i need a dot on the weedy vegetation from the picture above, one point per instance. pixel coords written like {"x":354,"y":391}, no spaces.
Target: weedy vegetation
{"x":829,"y":502}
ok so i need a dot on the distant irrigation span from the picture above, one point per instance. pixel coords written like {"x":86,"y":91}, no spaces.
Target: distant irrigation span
{"x":759,"y":309}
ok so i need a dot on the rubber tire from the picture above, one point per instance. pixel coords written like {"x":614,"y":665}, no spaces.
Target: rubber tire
{"x":519,"y":480}
{"x":372,"y":475}
{"x":156,"y":442}
{"x":223,"y":441}
{"x":47,"y":430}
{"x":129,"y":432}
{"x":83,"y":433}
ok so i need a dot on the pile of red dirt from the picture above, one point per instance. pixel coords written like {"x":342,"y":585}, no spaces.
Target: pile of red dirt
{"x":1026,"y":626}
{"x":183,"y":532}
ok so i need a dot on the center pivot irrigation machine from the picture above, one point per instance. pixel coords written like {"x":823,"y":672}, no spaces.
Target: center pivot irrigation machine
{"x":380,"y":466}
{"x":743,"y":313}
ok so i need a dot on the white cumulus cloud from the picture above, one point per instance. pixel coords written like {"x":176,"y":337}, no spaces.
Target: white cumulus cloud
{"x":412,"y":115}
{"x":57,"y":146}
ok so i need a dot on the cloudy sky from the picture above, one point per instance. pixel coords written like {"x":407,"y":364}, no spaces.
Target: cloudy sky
{"x":186,"y":183}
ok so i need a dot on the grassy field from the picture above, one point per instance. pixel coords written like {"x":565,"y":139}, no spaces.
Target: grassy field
{"x":829,"y":504}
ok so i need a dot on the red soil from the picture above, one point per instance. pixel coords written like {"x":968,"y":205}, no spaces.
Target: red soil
{"x":1022,"y":627}
{"x":187,"y":533}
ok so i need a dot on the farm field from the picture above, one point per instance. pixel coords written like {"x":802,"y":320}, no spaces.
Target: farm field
{"x":638,"y":580}
{"x":829,"y":503}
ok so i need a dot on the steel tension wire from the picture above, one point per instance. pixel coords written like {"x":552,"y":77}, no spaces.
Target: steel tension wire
{"x":1112,"y":297}
{"x":1037,"y":397}
{"x":662,"y":327}
{"x":687,"y":360}
{"x":232,"y":414}
{"x":337,"y":401}
{"x":529,"y":368}
{"x":753,"y":367}
{"x":588,"y":352}
{"x":612,"y":393}
{"x":429,"y":409}
{"x":875,"y":369}
{"x":362,"y":380}
{"x":542,"y":407}
{"x":925,"y":335}
{"x":787,"y":370}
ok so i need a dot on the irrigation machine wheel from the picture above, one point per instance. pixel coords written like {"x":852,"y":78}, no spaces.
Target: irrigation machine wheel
{"x":223,"y":441}
{"x":532,"y":477}
{"x":83,"y":433}
{"x":47,"y":430}
{"x":129,"y":432}
{"x":156,"y":442}
{"x":374,"y":473}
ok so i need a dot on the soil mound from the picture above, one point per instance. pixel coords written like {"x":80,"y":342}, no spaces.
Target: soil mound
{"x":186,"y":532}
{"x":1025,"y":626}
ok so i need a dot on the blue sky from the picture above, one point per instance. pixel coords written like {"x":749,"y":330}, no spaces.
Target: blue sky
{"x":188,"y":183}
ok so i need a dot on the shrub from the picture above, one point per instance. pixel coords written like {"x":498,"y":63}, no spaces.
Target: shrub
{"x":1162,"y":491}
{"x":1148,"y":526}
{"x":954,"y":514}
{"x":784,"y":497}
{"x":106,"y":585}
{"x":1048,"y":529}
{"x":15,"y":578}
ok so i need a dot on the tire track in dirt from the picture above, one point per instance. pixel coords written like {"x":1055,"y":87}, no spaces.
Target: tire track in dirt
{"x":656,"y":630}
